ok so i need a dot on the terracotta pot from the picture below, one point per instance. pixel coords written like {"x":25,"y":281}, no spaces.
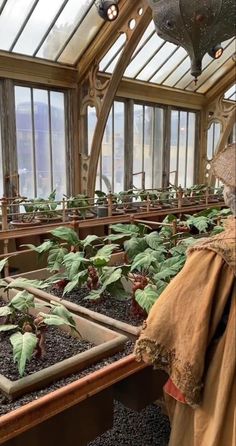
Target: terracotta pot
{"x":25,"y":224}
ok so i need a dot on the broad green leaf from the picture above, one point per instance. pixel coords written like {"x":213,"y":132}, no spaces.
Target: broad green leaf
{"x":67,"y":234}
{"x":74,"y":262}
{"x":144,"y":260}
{"x":8,"y":327}
{"x":23,"y":348}
{"x":132,"y":230}
{"x":95,"y":294}
{"x":89,"y":240}
{"x":134,"y":246}
{"x":56,"y":257}
{"x":61,"y":311}
{"x":77,"y":281}
{"x":110,"y":277}
{"x":169,"y":218}
{"x":169,"y":268}
{"x":118,"y":237}
{"x":178,"y":250}
{"x":53,"y":319}
{"x":103,"y":255}
{"x":23,"y":283}
{"x":217,"y":230}
{"x":117,"y":291}
{"x":22,"y":301}
{"x":154,"y":240}
{"x":3,"y":262}
{"x":160,"y":285}
{"x":5,"y":311}
{"x":147,"y":297}
{"x":200,"y":223}
{"x":44,"y":247}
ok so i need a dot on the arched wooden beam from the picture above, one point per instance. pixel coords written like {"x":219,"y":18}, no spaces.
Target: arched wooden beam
{"x":110,"y":94}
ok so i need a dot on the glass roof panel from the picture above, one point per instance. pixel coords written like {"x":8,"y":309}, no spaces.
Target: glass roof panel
{"x":143,"y":56}
{"x":36,"y":26}
{"x":67,"y":21}
{"x":157,"y":61}
{"x":82,"y":36}
{"x":230,"y":94}
{"x":11,"y":20}
{"x":146,"y":35}
{"x":111,"y":54}
{"x":178,"y":72}
{"x":170,"y":64}
{"x":216,"y":74}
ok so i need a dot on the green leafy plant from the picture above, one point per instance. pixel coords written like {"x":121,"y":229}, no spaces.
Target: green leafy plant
{"x":79,"y":204}
{"x":29,"y":330}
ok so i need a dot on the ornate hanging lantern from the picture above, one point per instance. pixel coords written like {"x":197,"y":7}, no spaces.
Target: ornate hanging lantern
{"x":199,"y":26}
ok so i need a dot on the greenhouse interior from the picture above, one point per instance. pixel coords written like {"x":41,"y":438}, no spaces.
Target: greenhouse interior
{"x":117,"y":222}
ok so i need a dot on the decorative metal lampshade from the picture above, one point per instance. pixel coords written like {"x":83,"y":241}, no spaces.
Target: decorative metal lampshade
{"x":197,"y":25}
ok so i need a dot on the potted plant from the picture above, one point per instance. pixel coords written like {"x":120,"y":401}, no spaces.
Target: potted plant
{"x":29,"y":217}
{"x":46,"y":208}
{"x":79,"y":207}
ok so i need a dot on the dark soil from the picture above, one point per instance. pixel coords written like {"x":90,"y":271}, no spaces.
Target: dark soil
{"x":108,"y":305}
{"x":59,"y":346}
{"x":146,"y":428}
{"x":7,"y":406}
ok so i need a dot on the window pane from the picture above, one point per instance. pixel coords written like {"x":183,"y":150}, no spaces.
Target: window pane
{"x":118,"y":146}
{"x":182,"y":148}
{"x":58,"y":143}
{"x":191,"y":150}
{"x":92,"y":121}
{"x":42,"y":147}
{"x":107,"y":161}
{"x":24,"y":139}
{"x":138,"y":145}
{"x":174,"y":143}
{"x":148,"y":145}
{"x":158,"y":147}
{"x":41,"y":142}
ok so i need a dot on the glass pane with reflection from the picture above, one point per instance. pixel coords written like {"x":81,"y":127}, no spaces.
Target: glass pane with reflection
{"x":42,"y":143}
{"x":11,"y":20}
{"x":107,"y":154}
{"x":118,"y":146}
{"x":148,"y":146}
{"x":67,"y":21}
{"x":138,"y":145}
{"x":57,"y":114}
{"x":24,"y":141}
{"x":37,"y":25}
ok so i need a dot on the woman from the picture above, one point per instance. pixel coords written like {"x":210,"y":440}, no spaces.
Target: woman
{"x":190,"y":333}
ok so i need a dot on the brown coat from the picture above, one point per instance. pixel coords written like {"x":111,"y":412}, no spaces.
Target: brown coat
{"x":184,"y":336}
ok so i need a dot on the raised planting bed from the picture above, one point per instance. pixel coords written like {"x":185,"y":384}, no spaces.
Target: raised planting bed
{"x":130,"y":326}
{"x":97,"y":341}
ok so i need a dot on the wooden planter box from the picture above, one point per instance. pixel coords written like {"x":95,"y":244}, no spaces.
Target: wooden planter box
{"x":74,"y":414}
{"x":106,"y":343}
{"x":122,"y":327}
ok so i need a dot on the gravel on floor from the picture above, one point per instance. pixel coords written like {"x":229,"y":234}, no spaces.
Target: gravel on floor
{"x":150,"y":427}
{"x":109,"y":306}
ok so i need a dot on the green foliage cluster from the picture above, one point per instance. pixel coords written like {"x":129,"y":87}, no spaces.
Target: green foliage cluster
{"x":28,"y":329}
